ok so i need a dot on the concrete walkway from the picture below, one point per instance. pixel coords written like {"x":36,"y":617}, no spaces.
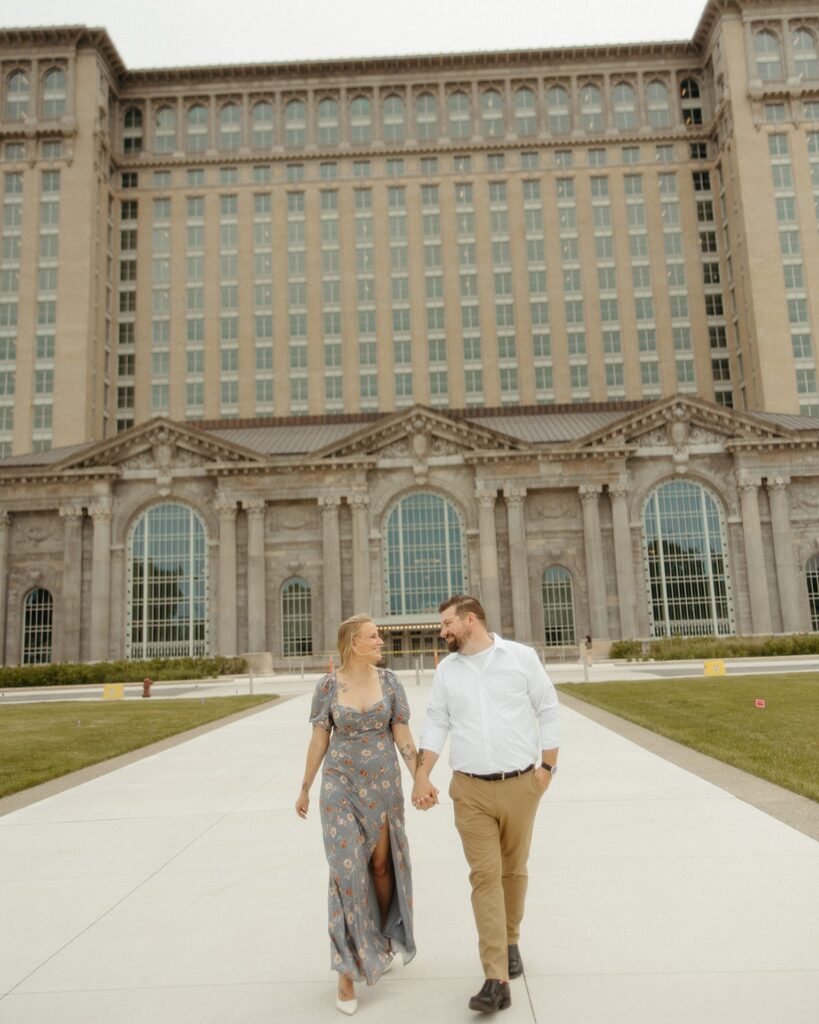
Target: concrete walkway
{"x":182,"y":889}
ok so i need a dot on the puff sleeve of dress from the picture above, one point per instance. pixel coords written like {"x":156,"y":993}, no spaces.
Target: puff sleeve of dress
{"x":322,"y":699}
{"x":400,"y":704}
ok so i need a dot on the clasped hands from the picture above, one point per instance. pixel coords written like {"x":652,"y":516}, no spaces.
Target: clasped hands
{"x":424,"y":795}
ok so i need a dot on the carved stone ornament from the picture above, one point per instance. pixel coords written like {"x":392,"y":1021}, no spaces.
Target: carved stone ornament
{"x":420,"y":445}
{"x":677,"y":430}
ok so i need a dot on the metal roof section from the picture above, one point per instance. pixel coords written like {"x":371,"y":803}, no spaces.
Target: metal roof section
{"x":792,"y":421}
{"x":46,"y":458}
{"x":549,"y":428}
{"x":287,"y":440}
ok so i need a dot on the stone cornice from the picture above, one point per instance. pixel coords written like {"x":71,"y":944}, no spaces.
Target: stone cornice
{"x":74,"y":36}
{"x":318,"y":71}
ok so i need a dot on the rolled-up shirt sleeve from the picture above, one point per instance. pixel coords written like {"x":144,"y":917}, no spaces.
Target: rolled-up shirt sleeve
{"x":543,"y":696}
{"x":437,"y":724}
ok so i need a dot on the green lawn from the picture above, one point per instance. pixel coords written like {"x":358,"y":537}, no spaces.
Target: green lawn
{"x":43,"y":741}
{"x":717,"y":715}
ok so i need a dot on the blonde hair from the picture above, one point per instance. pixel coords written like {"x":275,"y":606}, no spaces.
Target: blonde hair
{"x":347,"y":632}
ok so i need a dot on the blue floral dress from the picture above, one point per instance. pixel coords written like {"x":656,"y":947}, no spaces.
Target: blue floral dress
{"x":360,"y":791}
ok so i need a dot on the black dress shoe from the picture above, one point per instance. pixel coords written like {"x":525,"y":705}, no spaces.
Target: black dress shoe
{"x":515,"y":962}
{"x":494,"y":995}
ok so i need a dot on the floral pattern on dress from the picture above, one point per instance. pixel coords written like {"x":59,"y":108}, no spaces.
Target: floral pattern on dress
{"x":360,"y":791}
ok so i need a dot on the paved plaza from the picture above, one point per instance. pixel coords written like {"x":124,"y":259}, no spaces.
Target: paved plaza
{"x":183,"y":888}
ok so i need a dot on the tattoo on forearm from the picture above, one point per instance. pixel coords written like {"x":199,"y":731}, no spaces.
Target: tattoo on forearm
{"x":420,"y":759}
{"x":409,"y":753}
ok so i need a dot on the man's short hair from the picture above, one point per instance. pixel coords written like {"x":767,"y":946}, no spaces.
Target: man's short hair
{"x":463,"y":605}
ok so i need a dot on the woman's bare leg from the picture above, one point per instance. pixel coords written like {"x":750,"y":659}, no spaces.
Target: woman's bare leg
{"x":346,"y":988}
{"x":381,"y":864}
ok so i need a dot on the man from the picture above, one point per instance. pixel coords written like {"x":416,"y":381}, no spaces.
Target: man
{"x":495,"y":698}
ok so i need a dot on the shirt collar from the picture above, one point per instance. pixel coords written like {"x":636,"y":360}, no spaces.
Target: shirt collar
{"x":498,"y":642}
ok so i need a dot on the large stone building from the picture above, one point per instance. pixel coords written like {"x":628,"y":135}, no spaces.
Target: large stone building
{"x":281,"y":342}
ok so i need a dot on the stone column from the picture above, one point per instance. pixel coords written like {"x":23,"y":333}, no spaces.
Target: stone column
{"x":256,"y":588}
{"x":490,"y":578}
{"x":226,"y":509}
{"x":359,"y":509}
{"x":626,"y":591}
{"x":787,"y":573}
{"x":754,"y":557}
{"x":518,"y":563}
{"x":331,"y":564}
{"x":5,"y":530}
{"x":101,"y":513}
{"x":595,"y":566}
{"x":72,"y":516}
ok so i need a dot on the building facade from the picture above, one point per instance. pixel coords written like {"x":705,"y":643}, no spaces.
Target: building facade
{"x":543,"y":310}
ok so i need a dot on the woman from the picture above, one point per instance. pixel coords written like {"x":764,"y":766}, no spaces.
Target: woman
{"x":359,"y":716}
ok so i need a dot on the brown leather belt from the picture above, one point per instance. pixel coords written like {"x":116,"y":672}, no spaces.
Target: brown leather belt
{"x":499,"y":776}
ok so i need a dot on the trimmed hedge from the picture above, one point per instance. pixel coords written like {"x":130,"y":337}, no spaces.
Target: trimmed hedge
{"x":679,"y":648}
{"x":70,"y":674}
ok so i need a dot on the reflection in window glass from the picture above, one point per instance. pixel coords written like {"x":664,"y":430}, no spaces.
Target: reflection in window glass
{"x":558,"y":606}
{"x":768,"y":57}
{"x":37,"y":627}
{"x":297,"y":618}
{"x":685,"y":556}
{"x":424,"y":554}
{"x":167,"y":584}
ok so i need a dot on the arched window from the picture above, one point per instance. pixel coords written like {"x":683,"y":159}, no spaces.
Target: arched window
{"x":424,"y":554}
{"x":328,"y":122}
{"x":658,"y":104}
{"x":812,"y":577}
{"x":492,"y":113}
{"x":132,"y":131}
{"x":426,"y":117}
{"x":167,"y":613}
{"x":197,"y":128}
{"x":165,"y":130}
{"x":262,"y":123}
{"x":625,"y":106}
{"x":768,"y":54}
{"x":690,"y":101}
{"x":17,"y":95}
{"x":525,"y":112}
{"x":394,"y":125}
{"x":38,"y":613}
{"x":295,"y":123}
{"x":361,"y":120}
{"x":53,"y":94}
{"x":685,"y":557}
{"x":230,"y":127}
{"x":591,"y":108}
{"x":806,"y":62}
{"x":557,"y":103}
{"x":558,"y":607}
{"x":297,"y":618}
{"x":460,"y":117}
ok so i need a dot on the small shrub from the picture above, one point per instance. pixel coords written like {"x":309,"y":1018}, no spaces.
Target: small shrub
{"x":628,"y":650}
{"x":678,"y":648}
{"x":76,"y":674}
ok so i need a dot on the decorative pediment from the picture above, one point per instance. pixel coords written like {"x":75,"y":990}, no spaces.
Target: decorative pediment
{"x":162,"y":447}
{"x":419,"y":435}
{"x":676,"y":425}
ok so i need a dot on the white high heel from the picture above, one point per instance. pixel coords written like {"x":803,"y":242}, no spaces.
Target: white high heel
{"x":348,"y":1006}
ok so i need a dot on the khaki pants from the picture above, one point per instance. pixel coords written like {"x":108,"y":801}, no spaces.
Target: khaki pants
{"x":495,"y":822}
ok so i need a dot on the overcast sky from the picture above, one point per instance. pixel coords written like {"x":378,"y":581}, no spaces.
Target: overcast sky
{"x":153,"y":33}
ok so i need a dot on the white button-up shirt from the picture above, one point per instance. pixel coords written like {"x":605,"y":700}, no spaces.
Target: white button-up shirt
{"x":501,"y":714}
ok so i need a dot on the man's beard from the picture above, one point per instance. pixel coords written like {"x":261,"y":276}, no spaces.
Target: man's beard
{"x":453,"y":644}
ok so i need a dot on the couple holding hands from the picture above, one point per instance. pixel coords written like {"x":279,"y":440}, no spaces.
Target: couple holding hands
{"x":499,"y":706}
